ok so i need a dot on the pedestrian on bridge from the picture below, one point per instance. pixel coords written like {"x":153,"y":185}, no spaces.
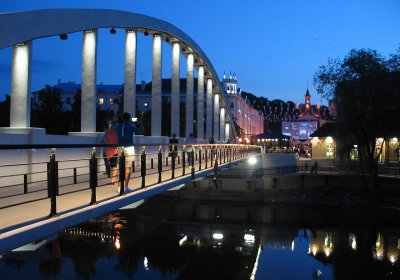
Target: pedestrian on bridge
{"x":112,"y":152}
{"x":125,"y":131}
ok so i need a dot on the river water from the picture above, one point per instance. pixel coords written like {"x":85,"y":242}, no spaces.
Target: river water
{"x":169,"y":238}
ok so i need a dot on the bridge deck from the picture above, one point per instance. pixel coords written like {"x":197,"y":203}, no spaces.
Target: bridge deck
{"x":73,"y":205}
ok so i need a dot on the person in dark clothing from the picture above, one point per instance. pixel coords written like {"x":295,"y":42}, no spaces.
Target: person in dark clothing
{"x":173,"y":149}
{"x":125,"y":131}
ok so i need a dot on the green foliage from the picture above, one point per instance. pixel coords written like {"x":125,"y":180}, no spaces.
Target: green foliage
{"x":5,"y":112}
{"x":366,"y":88}
{"x":48,"y":111}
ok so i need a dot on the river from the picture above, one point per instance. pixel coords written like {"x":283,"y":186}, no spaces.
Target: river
{"x":171,"y":238}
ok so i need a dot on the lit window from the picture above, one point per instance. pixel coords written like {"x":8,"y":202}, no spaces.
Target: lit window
{"x":101,"y":101}
{"x":111,"y":101}
{"x":329,"y":150}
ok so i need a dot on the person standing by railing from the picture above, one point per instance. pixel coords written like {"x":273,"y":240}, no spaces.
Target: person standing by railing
{"x":173,"y":149}
{"x":125,"y":131}
{"x":112,"y":152}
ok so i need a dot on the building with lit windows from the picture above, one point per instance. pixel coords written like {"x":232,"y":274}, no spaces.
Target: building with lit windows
{"x":250,"y":120}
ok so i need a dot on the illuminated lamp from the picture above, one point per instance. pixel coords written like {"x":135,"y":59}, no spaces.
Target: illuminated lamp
{"x":218,"y":236}
{"x":252,"y":160}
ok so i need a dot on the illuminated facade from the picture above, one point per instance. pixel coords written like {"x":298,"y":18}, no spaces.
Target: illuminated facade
{"x":250,"y":120}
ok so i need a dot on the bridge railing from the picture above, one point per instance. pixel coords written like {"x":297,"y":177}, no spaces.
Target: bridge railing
{"x":32,"y":173}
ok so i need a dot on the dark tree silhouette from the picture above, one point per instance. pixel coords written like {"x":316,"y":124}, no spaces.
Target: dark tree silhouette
{"x":365,"y":87}
{"x":5,"y":112}
{"x":48,"y":111}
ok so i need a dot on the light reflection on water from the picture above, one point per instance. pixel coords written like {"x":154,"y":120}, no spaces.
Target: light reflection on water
{"x":180,"y":239}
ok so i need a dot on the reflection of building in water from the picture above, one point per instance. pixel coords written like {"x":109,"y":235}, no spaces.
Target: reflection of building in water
{"x":386,"y":247}
{"x":322,"y":242}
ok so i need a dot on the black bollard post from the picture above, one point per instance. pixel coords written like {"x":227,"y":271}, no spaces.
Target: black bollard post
{"x":121,"y":164}
{"x":199,"y":159}
{"x":51,"y":183}
{"x":93,"y":175}
{"x":192,"y":162}
{"x":173,"y":166}
{"x":25,"y":183}
{"x":75,"y":176}
{"x":143,"y":167}
{"x":205,"y":154}
{"x":159,"y":164}
{"x":183,"y":161}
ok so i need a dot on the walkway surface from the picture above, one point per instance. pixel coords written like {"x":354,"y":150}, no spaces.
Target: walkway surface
{"x":20,"y":214}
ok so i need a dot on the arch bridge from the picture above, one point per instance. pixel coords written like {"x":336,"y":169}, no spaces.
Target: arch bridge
{"x":19,"y":30}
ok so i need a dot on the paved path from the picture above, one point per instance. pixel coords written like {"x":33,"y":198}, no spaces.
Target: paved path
{"x":25,"y":217}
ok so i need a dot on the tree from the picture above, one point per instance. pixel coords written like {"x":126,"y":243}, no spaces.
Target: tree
{"x":75,"y":124}
{"x":48,"y":111}
{"x":5,"y":112}
{"x":366,"y":89}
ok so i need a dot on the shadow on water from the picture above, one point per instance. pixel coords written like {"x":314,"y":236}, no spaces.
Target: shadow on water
{"x":170,"y":238}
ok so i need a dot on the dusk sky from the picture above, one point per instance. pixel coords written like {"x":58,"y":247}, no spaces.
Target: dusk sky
{"x":274,"y":47}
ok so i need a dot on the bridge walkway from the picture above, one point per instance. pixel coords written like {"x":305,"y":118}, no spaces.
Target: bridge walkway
{"x":22,"y":223}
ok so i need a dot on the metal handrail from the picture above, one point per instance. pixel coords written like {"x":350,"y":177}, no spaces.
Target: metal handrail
{"x":91,"y":170}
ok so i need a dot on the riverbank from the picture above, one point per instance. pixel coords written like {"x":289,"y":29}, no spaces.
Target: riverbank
{"x":339,"y":196}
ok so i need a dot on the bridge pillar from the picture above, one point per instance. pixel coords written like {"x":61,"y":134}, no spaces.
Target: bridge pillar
{"x":189,"y":94}
{"x":21,"y":69}
{"x":89,"y":60}
{"x":209,"y":109}
{"x":130,"y":72}
{"x":222,"y":125}
{"x":175,"y":90}
{"x":227,"y":131}
{"x":200,"y":102}
{"x":156,"y":87}
{"x":216,"y":117}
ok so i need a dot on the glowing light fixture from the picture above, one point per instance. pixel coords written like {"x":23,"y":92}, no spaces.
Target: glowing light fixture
{"x":218,"y":236}
{"x":252,"y":160}
{"x":249,"y":238}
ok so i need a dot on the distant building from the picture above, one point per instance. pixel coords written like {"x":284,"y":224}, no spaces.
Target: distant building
{"x":307,"y":118}
{"x":250,"y":120}
{"x":109,"y":96}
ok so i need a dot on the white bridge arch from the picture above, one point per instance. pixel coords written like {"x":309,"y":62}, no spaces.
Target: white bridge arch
{"x":18,"y":30}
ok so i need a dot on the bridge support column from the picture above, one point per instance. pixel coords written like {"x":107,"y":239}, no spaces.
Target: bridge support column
{"x":21,"y":69}
{"x":222,"y":125}
{"x":216,"y":117}
{"x":175,"y":90}
{"x":209,"y":108}
{"x":89,"y":60}
{"x":189,"y":94}
{"x":200,"y":103}
{"x":130,"y":72}
{"x":227,"y":131}
{"x":156,"y":87}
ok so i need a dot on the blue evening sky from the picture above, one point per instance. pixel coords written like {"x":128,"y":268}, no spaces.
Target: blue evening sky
{"x":274,"y":47}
